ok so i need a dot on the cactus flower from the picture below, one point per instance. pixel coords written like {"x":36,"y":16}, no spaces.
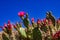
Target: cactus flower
{"x":21,"y":13}
{"x":32,"y":19}
{"x":9,"y":25}
{"x":8,"y":21}
{"x":45,"y":21}
{"x":5,"y":25}
{"x":38,"y":21}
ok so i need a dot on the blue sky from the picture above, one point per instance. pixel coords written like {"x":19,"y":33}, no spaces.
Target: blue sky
{"x":35,"y":8}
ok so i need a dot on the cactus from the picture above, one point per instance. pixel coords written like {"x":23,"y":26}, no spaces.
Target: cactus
{"x":5,"y":36}
{"x":50,"y":16}
{"x":26,"y":22}
{"x":41,"y":30}
{"x":37,"y":34}
{"x":23,"y":33}
{"x":20,"y":30}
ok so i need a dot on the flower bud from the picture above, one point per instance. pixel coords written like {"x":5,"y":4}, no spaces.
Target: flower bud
{"x":38,"y":21}
{"x":32,"y":20}
{"x":45,"y":21}
{"x":5,"y":25}
{"x":9,"y":25}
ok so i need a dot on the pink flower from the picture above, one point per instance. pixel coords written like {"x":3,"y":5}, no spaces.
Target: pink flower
{"x":45,"y":21}
{"x":21,"y":13}
{"x":32,"y":19}
{"x":8,"y":21}
{"x":38,"y":21}
{"x":5,"y":25}
{"x":9,"y":27}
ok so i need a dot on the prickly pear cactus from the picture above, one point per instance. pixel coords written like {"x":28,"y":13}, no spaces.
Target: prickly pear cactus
{"x":41,"y":30}
{"x":23,"y":32}
{"x":5,"y":36}
{"x":26,"y":22}
{"x":37,"y":34}
{"x":44,"y":28}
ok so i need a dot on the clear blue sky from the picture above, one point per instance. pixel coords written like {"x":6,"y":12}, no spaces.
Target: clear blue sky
{"x":35,"y":8}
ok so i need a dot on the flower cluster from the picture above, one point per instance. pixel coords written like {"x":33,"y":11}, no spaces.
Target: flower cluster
{"x":7,"y":27}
